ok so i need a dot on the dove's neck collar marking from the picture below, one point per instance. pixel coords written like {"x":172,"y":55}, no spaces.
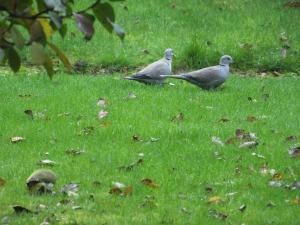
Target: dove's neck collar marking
{"x":223,"y":64}
{"x":168,"y":58}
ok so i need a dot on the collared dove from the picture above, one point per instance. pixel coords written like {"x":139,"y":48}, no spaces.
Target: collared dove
{"x":207,"y":78}
{"x":151,"y":73}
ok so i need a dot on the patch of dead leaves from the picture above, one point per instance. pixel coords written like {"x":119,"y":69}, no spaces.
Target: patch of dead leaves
{"x":178,"y":118}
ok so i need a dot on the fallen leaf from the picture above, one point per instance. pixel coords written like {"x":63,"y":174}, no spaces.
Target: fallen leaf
{"x":248,"y":144}
{"x":277,"y":176}
{"x":136,"y":138}
{"x":179,"y":117}
{"x":275,"y":183}
{"x":87,"y":130}
{"x":47,"y":162}
{"x":246,"y":46}
{"x":76,"y":207}
{"x":209,"y":189}
{"x":2,"y":181}
{"x":101,"y":102}
{"x":118,"y":185}
{"x":24,"y":95}
{"x":127,"y":191}
{"x":132,"y":165}
{"x":130,"y":96}
{"x":295,"y":201}
{"x":149,"y":182}
{"x":63,"y":114}
{"x":70,"y":189}
{"x":271,"y":204}
{"x":215,"y":200}
{"x":217,"y":214}
{"x":258,"y":155}
{"x":29,"y":113}
{"x":20,"y":209}
{"x":251,"y":99}
{"x":223,"y":120}
{"x":184,"y":210}
{"x":17,"y":139}
{"x":292,"y":4}
{"x":97,"y":183}
{"x":293,"y":186}
{"x":243,"y":208}
{"x":153,"y":139}
{"x":102,"y":114}
{"x":41,"y":207}
{"x":217,"y":141}
{"x":294,"y":152}
{"x":74,"y":151}
{"x":291,"y":138}
{"x":115,"y":190}
{"x":251,"y":118}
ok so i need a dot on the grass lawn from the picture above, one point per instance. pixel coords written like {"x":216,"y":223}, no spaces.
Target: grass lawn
{"x":189,"y":168}
{"x":196,"y":180}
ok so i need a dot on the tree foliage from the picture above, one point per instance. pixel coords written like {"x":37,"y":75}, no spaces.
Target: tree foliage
{"x":31,"y":23}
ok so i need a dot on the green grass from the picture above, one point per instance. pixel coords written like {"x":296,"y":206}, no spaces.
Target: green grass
{"x":182,"y":162}
{"x":198,"y":31}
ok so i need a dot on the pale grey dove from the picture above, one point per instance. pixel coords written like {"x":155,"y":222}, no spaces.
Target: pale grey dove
{"x":207,"y":78}
{"x":151,"y":73}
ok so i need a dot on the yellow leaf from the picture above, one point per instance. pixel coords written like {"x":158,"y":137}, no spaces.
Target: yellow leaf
{"x":215,"y":199}
{"x":48,"y":31}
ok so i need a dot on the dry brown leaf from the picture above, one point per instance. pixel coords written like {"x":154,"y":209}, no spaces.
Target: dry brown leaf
{"x":179,"y":117}
{"x":246,"y":46}
{"x":277,"y":176}
{"x":224,"y":120}
{"x":294,"y":152}
{"x":2,"y":182}
{"x":292,"y":4}
{"x":215,"y":200}
{"x":291,"y":138}
{"x":251,"y":118}
{"x":127,"y":190}
{"x":150,"y":183}
{"x":295,"y":201}
{"x":17,"y":139}
{"x":132,"y":165}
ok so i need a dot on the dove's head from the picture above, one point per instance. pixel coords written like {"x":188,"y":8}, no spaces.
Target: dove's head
{"x":226,"y":60}
{"x":169,"y":53}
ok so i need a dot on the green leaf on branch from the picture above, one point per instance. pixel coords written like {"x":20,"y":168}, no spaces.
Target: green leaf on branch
{"x":55,"y":19}
{"x":63,"y":58}
{"x":85,"y":24}
{"x":55,"y":5}
{"x":17,"y":37}
{"x":37,"y":33}
{"x":48,"y":65}
{"x":40,"y":57}
{"x":104,"y":12}
{"x":13,"y":57}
